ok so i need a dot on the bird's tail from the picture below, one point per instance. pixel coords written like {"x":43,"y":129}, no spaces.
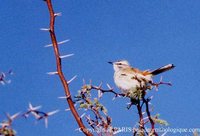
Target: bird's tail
{"x":162,"y":69}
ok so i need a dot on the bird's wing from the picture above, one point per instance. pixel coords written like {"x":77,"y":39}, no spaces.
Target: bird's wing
{"x":136,"y":71}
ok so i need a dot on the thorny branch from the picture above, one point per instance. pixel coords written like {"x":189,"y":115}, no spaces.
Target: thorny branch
{"x":101,"y":122}
{"x":59,"y":69}
{"x":141,"y":98}
{"x":85,"y":100}
{"x":153,"y":132}
{"x":3,"y":76}
{"x":141,"y":121}
{"x":109,"y":90}
{"x":6,"y":125}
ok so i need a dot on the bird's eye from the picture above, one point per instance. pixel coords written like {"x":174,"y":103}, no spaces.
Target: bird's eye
{"x":119,"y":63}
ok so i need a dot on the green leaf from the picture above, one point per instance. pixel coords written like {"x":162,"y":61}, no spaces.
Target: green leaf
{"x":160,"y":121}
{"x":84,"y":105}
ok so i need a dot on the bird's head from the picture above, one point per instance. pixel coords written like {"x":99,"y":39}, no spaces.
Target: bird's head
{"x":121,"y":64}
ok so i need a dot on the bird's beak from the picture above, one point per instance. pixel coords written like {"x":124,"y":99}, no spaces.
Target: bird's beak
{"x":110,"y":62}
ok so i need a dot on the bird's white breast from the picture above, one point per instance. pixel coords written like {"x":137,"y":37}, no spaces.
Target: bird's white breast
{"x":130,"y":82}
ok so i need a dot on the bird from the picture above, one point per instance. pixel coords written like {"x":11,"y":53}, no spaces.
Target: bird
{"x":132,"y":81}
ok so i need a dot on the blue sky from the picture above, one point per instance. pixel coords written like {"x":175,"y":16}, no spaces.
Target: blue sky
{"x":148,"y":34}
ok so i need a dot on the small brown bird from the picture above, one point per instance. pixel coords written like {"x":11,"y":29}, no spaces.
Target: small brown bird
{"x":131,"y":79}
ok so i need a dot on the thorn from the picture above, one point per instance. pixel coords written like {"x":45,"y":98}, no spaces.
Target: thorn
{"x":46,"y":122}
{"x":48,"y":45}
{"x":31,"y":108}
{"x":87,"y":117}
{"x":113,"y":98}
{"x":52,"y":112}
{"x":100,"y":85}
{"x":90,"y":82}
{"x":10,"y":72}
{"x":122,"y":95}
{"x":2,"y":82}
{"x":62,"y":97}
{"x":52,"y":73}
{"x":109,"y":86}
{"x":161,"y":79}
{"x":3,"y":75}
{"x":11,"y":118}
{"x":45,"y":29}
{"x":8,"y":81}
{"x":68,"y":109}
{"x":78,"y":129}
{"x":145,"y":118}
{"x":99,"y":124}
{"x":36,"y":115}
{"x":82,"y":115}
{"x":149,"y":98}
{"x":64,"y":41}
{"x":156,"y":88}
{"x":100,"y":94}
{"x":65,"y":56}
{"x":164,"y":133}
{"x":25,"y":115}
{"x":57,"y":14}
{"x":74,"y":77}
{"x":84,"y":81}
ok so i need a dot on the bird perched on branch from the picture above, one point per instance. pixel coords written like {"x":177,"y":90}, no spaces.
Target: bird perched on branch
{"x":132,"y":80}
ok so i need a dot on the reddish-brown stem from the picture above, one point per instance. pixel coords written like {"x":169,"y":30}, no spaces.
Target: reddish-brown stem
{"x":149,"y":116}
{"x":141,"y":122}
{"x":59,"y":70}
